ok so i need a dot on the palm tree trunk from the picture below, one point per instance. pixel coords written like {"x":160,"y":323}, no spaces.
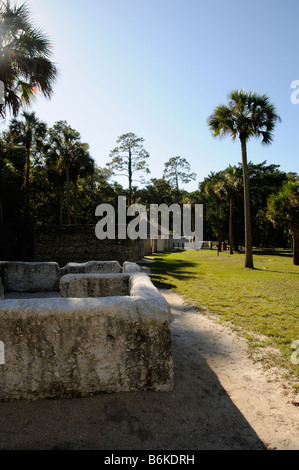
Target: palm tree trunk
{"x":248,"y":234}
{"x":27,"y":202}
{"x":231,"y":240}
{"x":68,"y":197}
{"x":76,"y":201}
{"x":218,"y":228}
{"x":60,"y":204}
{"x":295,"y":236}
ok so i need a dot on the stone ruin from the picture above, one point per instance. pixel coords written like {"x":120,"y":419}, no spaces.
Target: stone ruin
{"x":95,"y":327}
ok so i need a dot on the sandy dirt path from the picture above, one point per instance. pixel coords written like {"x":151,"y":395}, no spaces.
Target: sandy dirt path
{"x":262,"y":396}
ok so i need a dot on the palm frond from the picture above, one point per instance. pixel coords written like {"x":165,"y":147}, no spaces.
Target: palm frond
{"x":247,"y":114}
{"x":25,"y":58}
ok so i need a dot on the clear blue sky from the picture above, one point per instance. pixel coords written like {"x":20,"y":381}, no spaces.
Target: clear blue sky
{"x":158,"y":68}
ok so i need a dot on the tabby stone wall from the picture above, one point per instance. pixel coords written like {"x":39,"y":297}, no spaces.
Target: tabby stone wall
{"x":70,"y":347}
{"x":79,"y":244}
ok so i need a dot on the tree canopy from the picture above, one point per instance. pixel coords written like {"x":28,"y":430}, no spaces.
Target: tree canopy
{"x":129,"y":158}
{"x":177,"y":169}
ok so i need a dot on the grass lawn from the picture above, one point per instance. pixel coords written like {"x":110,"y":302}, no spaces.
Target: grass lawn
{"x":262,"y":304}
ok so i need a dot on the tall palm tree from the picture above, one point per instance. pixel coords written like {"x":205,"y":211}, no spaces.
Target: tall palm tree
{"x":25,"y":66}
{"x":29,"y":133}
{"x":246,"y":115}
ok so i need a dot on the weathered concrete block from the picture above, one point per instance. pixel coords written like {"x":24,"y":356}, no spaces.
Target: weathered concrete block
{"x":92,"y":267}
{"x":129,"y":267}
{"x":78,"y":347}
{"x":94,"y":285}
{"x":29,"y":277}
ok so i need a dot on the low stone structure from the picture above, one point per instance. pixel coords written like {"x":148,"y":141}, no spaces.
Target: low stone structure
{"x":93,"y":267}
{"x":94,"y":285}
{"x":67,"y":347}
{"x":29,"y":277}
{"x":18,"y":276}
{"x":129,"y":267}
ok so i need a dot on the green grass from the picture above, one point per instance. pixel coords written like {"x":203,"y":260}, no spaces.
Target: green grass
{"x":262,"y":304}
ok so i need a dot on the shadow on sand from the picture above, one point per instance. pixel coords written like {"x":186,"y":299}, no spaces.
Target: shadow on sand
{"x":197,"y":415}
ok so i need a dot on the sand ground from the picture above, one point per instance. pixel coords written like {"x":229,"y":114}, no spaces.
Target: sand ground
{"x":222,"y":400}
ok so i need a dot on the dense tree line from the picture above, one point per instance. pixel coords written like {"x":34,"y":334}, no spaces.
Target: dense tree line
{"x":48,"y":177}
{"x":222,"y":196}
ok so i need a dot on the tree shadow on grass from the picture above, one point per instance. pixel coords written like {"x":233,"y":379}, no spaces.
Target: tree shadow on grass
{"x":278,"y":253}
{"x":160,"y":273}
{"x":160,"y":282}
{"x":275,"y":271}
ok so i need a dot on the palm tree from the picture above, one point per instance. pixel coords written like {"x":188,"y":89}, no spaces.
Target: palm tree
{"x":283,"y":208}
{"x":228,"y":188}
{"x":211,"y":189}
{"x":63,"y":143}
{"x":7,"y":172}
{"x":82,"y":165}
{"x":246,"y":115}
{"x":29,"y":133}
{"x":70,"y":159}
{"x":25,"y":68}
{"x":55,"y":174}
